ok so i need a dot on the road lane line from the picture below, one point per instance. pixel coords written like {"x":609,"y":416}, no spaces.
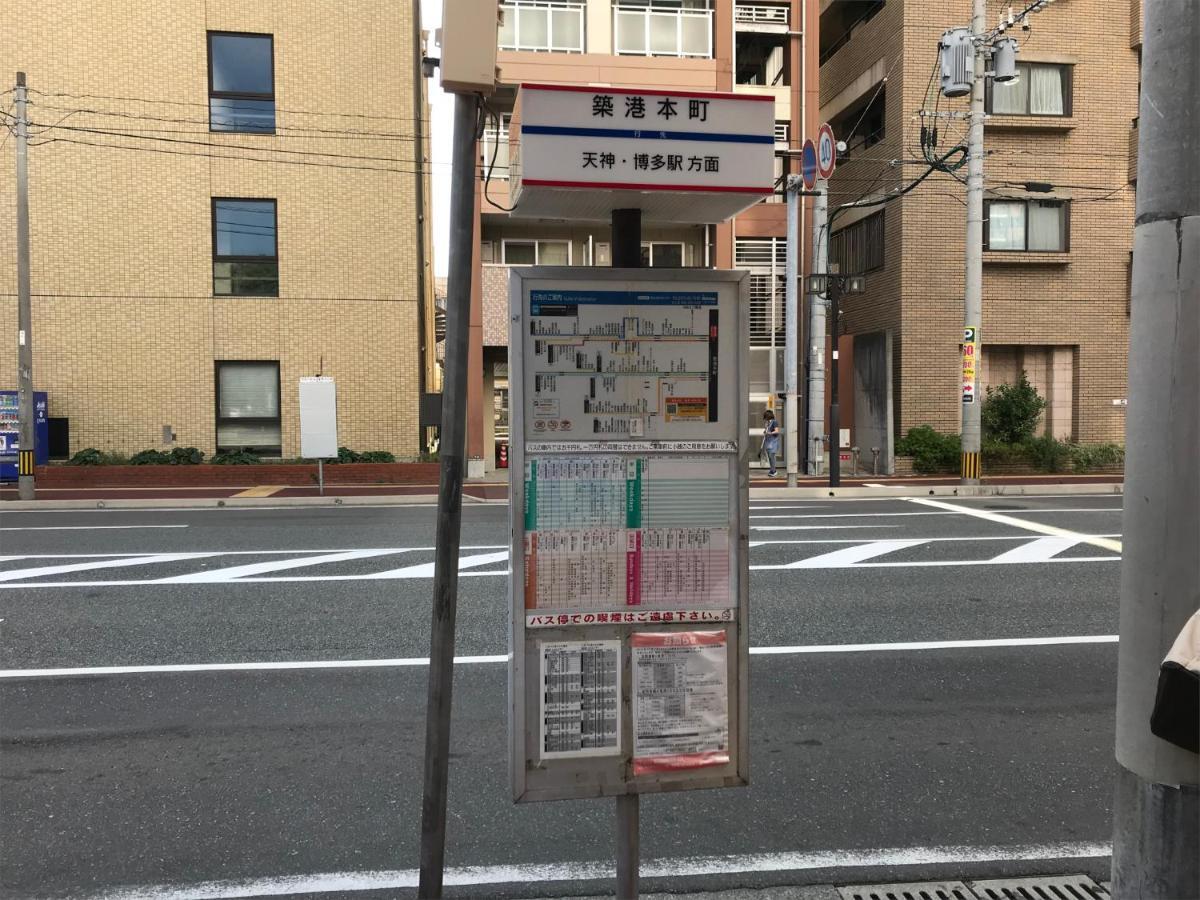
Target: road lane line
{"x":981,"y":513}
{"x":87,"y":527}
{"x":928,"y":540}
{"x":848,"y":557}
{"x":425,"y":570}
{"x":595,"y":870}
{"x":816,"y":527}
{"x":234,"y":573}
{"x":245,"y":552}
{"x":410,"y":661}
{"x":1038,"y":527}
{"x":14,"y":574}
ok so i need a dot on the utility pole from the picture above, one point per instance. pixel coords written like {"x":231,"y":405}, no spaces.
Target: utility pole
{"x":835,"y":415}
{"x":25,"y":406}
{"x":791,"y":324}
{"x":816,"y":333}
{"x":1156,"y":819}
{"x":973,"y":294}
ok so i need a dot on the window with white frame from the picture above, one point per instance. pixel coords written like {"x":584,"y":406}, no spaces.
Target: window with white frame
{"x":766,"y":258}
{"x":1032,"y":225}
{"x":536,"y":253}
{"x":662,"y":254}
{"x":663,"y":28}
{"x":1040,"y":89}
{"x":495,"y":141}
{"x":543,"y":26}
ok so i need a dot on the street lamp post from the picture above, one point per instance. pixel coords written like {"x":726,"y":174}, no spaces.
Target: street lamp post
{"x":835,"y":284}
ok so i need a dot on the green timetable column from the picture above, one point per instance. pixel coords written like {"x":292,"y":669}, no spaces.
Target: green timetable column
{"x":633,"y":493}
{"x":531,"y":495}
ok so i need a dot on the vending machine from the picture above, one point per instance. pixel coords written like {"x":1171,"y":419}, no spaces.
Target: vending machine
{"x":10,"y":433}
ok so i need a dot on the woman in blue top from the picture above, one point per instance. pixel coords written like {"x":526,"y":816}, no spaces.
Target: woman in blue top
{"x":770,"y":443}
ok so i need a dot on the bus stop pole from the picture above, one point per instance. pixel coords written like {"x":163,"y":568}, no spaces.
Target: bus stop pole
{"x":627,"y":254}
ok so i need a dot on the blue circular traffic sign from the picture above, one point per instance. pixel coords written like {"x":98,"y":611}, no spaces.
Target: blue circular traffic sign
{"x":808,"y":164}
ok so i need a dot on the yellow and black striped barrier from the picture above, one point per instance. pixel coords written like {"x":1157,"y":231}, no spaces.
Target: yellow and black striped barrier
{"x":970,"y":465}
{"x":24,"y":462}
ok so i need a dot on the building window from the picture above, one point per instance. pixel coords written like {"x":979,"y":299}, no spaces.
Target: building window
{"x":241,"y":82}
{"x":495,"y":140}
{"x":766,"y":258}
{"x":1035,"y":225}
{"x":542,"y":25}
{"x":1041,"y":89}
{"x":662,"y":28}
{"x":863,"y":125}
{"x":662,"y":254}
{"x":248,"y":407}
{"x":536,"y":253}
{"x":840,"y":20}
{"x":858,"y":248}
{"x":245,"y":260}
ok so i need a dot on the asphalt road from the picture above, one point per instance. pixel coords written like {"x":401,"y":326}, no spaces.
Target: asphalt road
{"x":923,"y":759}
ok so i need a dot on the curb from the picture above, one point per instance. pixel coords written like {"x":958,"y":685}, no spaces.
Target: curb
{"x":888,"y":492}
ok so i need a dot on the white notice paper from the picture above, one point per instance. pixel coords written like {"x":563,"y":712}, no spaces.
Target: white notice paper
{"x":581,"y":694}
{"x":680,"y":700}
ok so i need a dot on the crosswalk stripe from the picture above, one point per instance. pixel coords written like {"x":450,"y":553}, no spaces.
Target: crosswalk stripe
{"x":15,"y":574}
{"x":1039,"y":550}
{"x":848,"y":556}
{"x":234,"y":572}
{"x":425,"y":570}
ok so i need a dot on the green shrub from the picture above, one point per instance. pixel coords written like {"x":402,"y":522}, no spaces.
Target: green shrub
{"x":932,"y":451}
{"x":1049,"y":454}
{"x":1011,"y":411}
{"x":998,"y":454}
{"x":1086,"y":457}
{"x":346,"y":455}
{"x":186,"y":456}
{"x":150,"y":458}
{"x":235,"y":458}
{"x":376,"y":456}
{"x":89,"y":456}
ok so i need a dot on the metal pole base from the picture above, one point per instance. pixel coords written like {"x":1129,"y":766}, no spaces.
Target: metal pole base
{"x":1156,"y":830}
{"x":628,"y":846}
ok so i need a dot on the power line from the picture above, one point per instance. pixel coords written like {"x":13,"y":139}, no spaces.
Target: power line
{"x":225,"y":146}
{"x":289,"y":110}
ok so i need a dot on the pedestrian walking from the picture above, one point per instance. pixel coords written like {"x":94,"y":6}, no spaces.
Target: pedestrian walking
{"x":770,"y":441}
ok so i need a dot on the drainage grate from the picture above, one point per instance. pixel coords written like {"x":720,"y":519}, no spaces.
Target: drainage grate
{"x":1052,"y":887}
{"x":914,"y":890}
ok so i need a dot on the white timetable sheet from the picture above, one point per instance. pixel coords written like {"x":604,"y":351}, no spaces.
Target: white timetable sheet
{"x":581,"y":698}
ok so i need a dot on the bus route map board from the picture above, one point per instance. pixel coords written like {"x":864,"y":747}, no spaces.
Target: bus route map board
{"x":628,"y":489}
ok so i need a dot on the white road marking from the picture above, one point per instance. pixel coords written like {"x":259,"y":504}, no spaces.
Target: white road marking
{"x":14,"y":574}
{"x":425,"y":570}
{"x":850,"y":556}
{"x":816,"y":527}
{"x":243,"y":552}
{"x":953,"y":510}
{"x":672,"y":867}
{"x":411,"y":661}
{"x":89,"y":527}
{"x":858,"y":554}
{"x":234,"y":573}
{"x":1038,"y":527}
{"x":1041,"y":550}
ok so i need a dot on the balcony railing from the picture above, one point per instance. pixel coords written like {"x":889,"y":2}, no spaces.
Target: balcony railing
{"x":760,"y":14}
{"x":650,"y":31}
{"x":543,"y":26}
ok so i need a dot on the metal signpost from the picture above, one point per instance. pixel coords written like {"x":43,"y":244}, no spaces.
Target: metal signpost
{"x":318,"y":423}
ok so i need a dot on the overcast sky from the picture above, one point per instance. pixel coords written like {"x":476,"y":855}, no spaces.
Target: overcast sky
{"x":441,"y":107}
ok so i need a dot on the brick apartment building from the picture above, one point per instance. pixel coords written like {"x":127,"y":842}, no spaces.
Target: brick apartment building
{"x":225,"y":196}
{"x":1060,"y":173}
{"x":753,"y":47}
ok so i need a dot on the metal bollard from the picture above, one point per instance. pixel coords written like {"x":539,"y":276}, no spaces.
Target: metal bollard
{"x":875,"y":460}
{"x":818,"y":455}
{"x":854,"y":460}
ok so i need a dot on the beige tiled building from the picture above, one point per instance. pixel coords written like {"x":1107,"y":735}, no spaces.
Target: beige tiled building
{"x":746,"y":46}
{"x":1058,"y":226}
{"x":225,"y":196}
